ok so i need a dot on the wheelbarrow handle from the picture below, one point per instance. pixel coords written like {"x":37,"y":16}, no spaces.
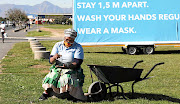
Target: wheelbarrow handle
{"x":160,"y":63}
{"x":137,"y":63}
{"x":152,"y":69}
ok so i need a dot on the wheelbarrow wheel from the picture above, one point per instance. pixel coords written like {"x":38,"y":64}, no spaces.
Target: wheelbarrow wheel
{"x":94,"y":90}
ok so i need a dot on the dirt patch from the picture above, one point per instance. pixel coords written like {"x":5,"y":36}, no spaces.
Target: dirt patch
{"x":45,"y":71}
{"x":40,"y":66}
{"x":55,"y":32}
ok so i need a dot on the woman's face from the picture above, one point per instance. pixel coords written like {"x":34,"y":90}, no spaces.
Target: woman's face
{"x":68,"y":41}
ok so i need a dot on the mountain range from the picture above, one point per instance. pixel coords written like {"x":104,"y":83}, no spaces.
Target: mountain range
{"x":44,"y":7}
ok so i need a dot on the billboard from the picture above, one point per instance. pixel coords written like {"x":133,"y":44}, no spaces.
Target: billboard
{"x":112,"y":21}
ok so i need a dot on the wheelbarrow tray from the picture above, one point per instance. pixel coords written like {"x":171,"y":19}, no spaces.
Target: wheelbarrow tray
{"x":115,"y":74}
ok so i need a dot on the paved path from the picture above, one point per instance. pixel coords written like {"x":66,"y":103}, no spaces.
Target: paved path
{"x":15,"y":37}
{"x":8,"y":43}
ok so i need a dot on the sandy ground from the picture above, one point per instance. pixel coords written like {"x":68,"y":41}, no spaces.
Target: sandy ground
{"x":55,"y":32}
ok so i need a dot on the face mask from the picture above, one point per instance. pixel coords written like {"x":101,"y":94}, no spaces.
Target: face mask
{"x":67,"y":44}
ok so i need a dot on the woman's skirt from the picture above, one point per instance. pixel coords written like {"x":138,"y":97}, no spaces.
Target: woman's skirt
{"x":65,"y":80}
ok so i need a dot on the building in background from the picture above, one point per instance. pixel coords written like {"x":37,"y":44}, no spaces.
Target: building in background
{"x":32,"y":18}
{"x":45,"y":18}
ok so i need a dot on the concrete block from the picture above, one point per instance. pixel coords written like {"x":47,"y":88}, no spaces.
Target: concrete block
{"x":34,"y":43}
{"x":32,"y":39}
{"x":36,"y":46}
{"x":38,"y":49}
{"x":41,"y":55}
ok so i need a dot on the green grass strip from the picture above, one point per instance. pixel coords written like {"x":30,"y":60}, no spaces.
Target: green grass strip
{"x":21,"y":81}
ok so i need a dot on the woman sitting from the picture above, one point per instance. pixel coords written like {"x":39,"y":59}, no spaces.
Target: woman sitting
{"x":66,"y":76}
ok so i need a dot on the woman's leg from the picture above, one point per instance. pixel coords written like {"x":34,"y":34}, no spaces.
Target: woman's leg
{"x":46,"y":94}
{"x":49,"y":84}
{"x":2,"y":36}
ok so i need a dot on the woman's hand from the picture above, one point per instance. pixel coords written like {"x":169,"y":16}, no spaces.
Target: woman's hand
{"x":58,"y":66}
{"x":56,"y":56}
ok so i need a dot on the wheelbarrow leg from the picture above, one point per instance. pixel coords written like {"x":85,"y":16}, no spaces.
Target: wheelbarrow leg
{"x":110,"y":90}
{"x":118,"y":85}
{"x":122,"y":92}
{"x":133,"y":89}
{"x":117,"y":89}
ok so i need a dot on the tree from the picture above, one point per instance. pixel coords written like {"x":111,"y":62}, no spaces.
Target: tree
{"x":68,"y":22}
{"x":60,"y":20}
{"x":2,"y":19}
{"x":16,"y":15}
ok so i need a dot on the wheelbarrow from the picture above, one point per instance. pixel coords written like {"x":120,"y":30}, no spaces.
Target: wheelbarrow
{"x":113,"y":76}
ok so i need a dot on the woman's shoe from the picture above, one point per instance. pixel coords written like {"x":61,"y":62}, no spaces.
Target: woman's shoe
{"x":43,"y":97}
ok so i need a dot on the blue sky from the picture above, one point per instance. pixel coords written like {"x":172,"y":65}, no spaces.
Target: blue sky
{"x":60,"y":3}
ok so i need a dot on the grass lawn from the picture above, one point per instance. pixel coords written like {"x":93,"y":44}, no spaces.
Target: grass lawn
{"x":57,"y":26}
{"x":38,"y":34}
{"x":47,"y":33}
{"x":22,"y":75}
